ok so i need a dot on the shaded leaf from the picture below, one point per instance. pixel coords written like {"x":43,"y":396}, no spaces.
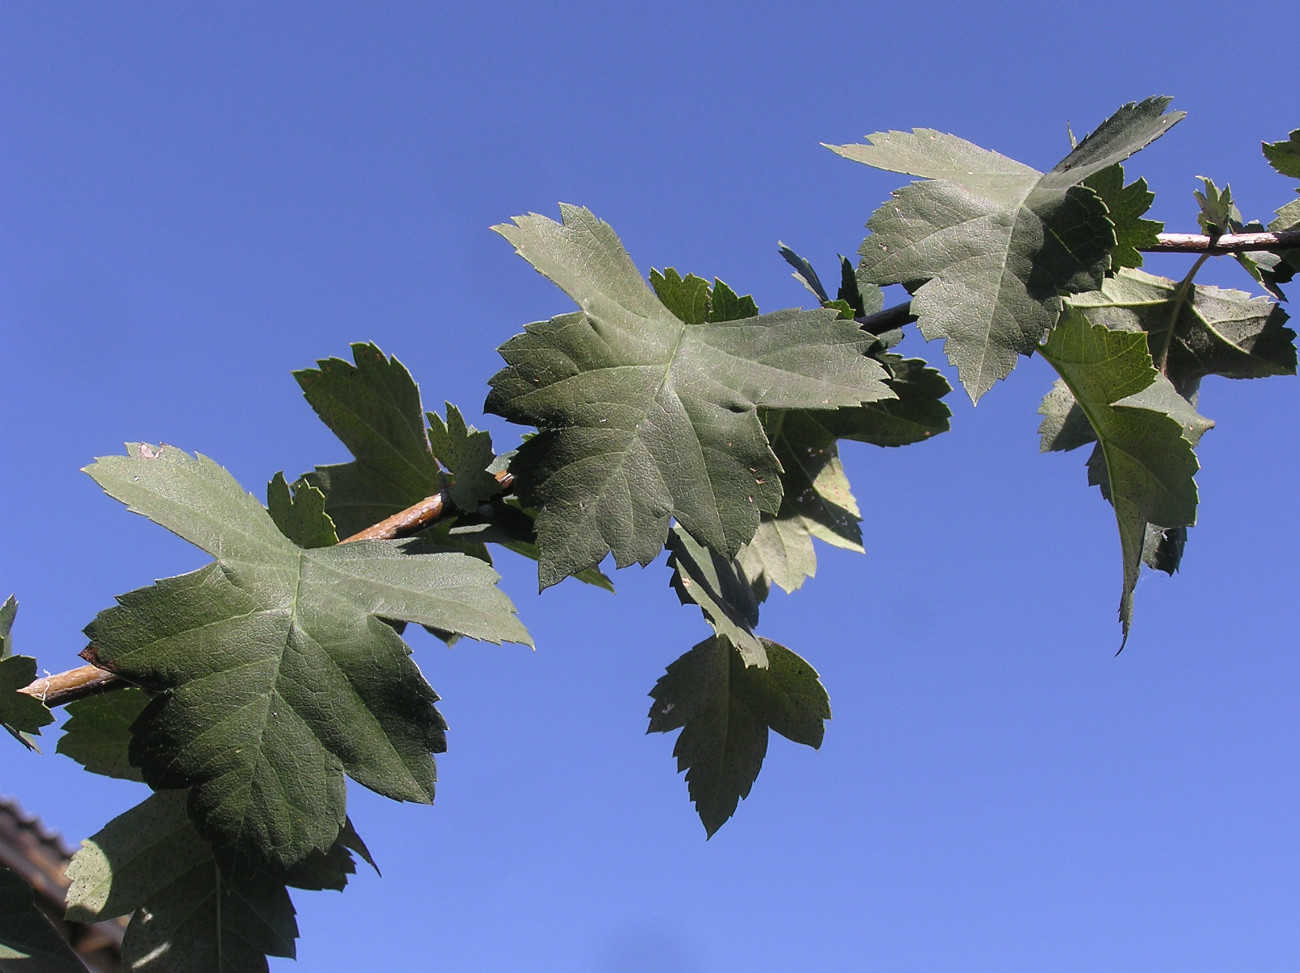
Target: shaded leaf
{"x":804,"y":273}
{"x":817,"y":502}
{"x":188,"y":915}
{"x":717,"y":585}
{"x":98,"y":732}
{"x":725,"y":709}
{"x":644,"y":417}
{"x":273,"y":670}
{"x":1145,"y":432}
{"x":1126,"y":205}
{"x":1215,"y":331}
{"x":22,"y":715}
{"x":987,"y":244}
{"x":864,"y":298}
{"x":29,"y":943}
{"x":373,"y":406}
{"x":466,"y":452}
{"x":915,"y":415}
{"x":300,"y":515}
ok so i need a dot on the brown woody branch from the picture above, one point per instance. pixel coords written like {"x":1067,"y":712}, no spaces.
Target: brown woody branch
{"x":68,"y":687}
{"x":1224,"y":243}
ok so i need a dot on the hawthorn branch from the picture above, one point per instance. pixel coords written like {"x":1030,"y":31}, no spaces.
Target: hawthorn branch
{"x":1224,"y":243}
{"x":68,"y":687}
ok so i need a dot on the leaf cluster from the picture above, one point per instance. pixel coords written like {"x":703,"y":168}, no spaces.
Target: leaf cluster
{"x":663,"y":414}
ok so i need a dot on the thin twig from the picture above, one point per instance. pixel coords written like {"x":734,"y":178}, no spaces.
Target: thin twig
{"x":1225,"y":243}
{"x":67,"y":687}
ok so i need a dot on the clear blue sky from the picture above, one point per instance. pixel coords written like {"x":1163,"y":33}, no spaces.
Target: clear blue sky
{"x":197,"y":199}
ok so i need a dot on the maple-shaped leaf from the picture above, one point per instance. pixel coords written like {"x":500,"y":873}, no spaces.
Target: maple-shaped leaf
{"x":1145,"y":432}
{"x":466,"y":452}
{"x":1218,"y":213}
{"x":22,"y":715}
{"x":718,"y":585}
{"x":373,"y":406}
{"x":98,"y":732}
{"x":273,"y":668}
{"x":29,"y":943}
{"x":643,"y":417}
{"x":186,"y":914}
{"x":725,"y":710}
{"x":987,"y":244}
{"x":1126,"y":205}
{"x":1204,"y":330}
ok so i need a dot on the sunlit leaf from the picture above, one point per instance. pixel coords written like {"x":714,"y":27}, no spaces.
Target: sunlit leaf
{"x":644,"y":417}
{"x":987,"y":244}
{"x":273,"y":668}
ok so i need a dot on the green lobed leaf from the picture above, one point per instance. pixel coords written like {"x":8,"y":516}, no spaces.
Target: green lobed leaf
{"x":644,"y":417}
{"x":725,"y":709}
{"x":22,"y":715}
{"x":373,"y":406}
{"x":1145,"y":432}
{"x":29,"y":943}
{"x":273,"y":668}
{"x":1285,"y":156}
{"x":98,"y":732}
{"x":987,"y":244}
{"x":466,"y":452}
{"x":695,"y":301}
{"x":187,"y":914}
{"x":1281,"y":266}
{"x":1126,"y":205}
{"x":1218,"y":213}
{"x":300,"y":514}
{"x":1214,"y":331}
{"x":702,"y":577}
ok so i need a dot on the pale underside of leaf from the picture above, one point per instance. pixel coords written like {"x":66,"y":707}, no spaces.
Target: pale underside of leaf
{"x":644,"y":417}
{"x":988,"y":245}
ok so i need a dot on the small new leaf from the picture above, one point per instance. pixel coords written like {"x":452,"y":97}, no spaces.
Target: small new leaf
{"x":694,"y":301}
{"x":273,"y":669}
{"x":725,"y":710}
{"x":300,"y":514}
{"x":644,"y":417}
{"x":1144,"y":428}
{"x":373,"y":406}
{"x":987,"y":244}
{"x":467,"y":453}
{"x":1125,"y":205}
